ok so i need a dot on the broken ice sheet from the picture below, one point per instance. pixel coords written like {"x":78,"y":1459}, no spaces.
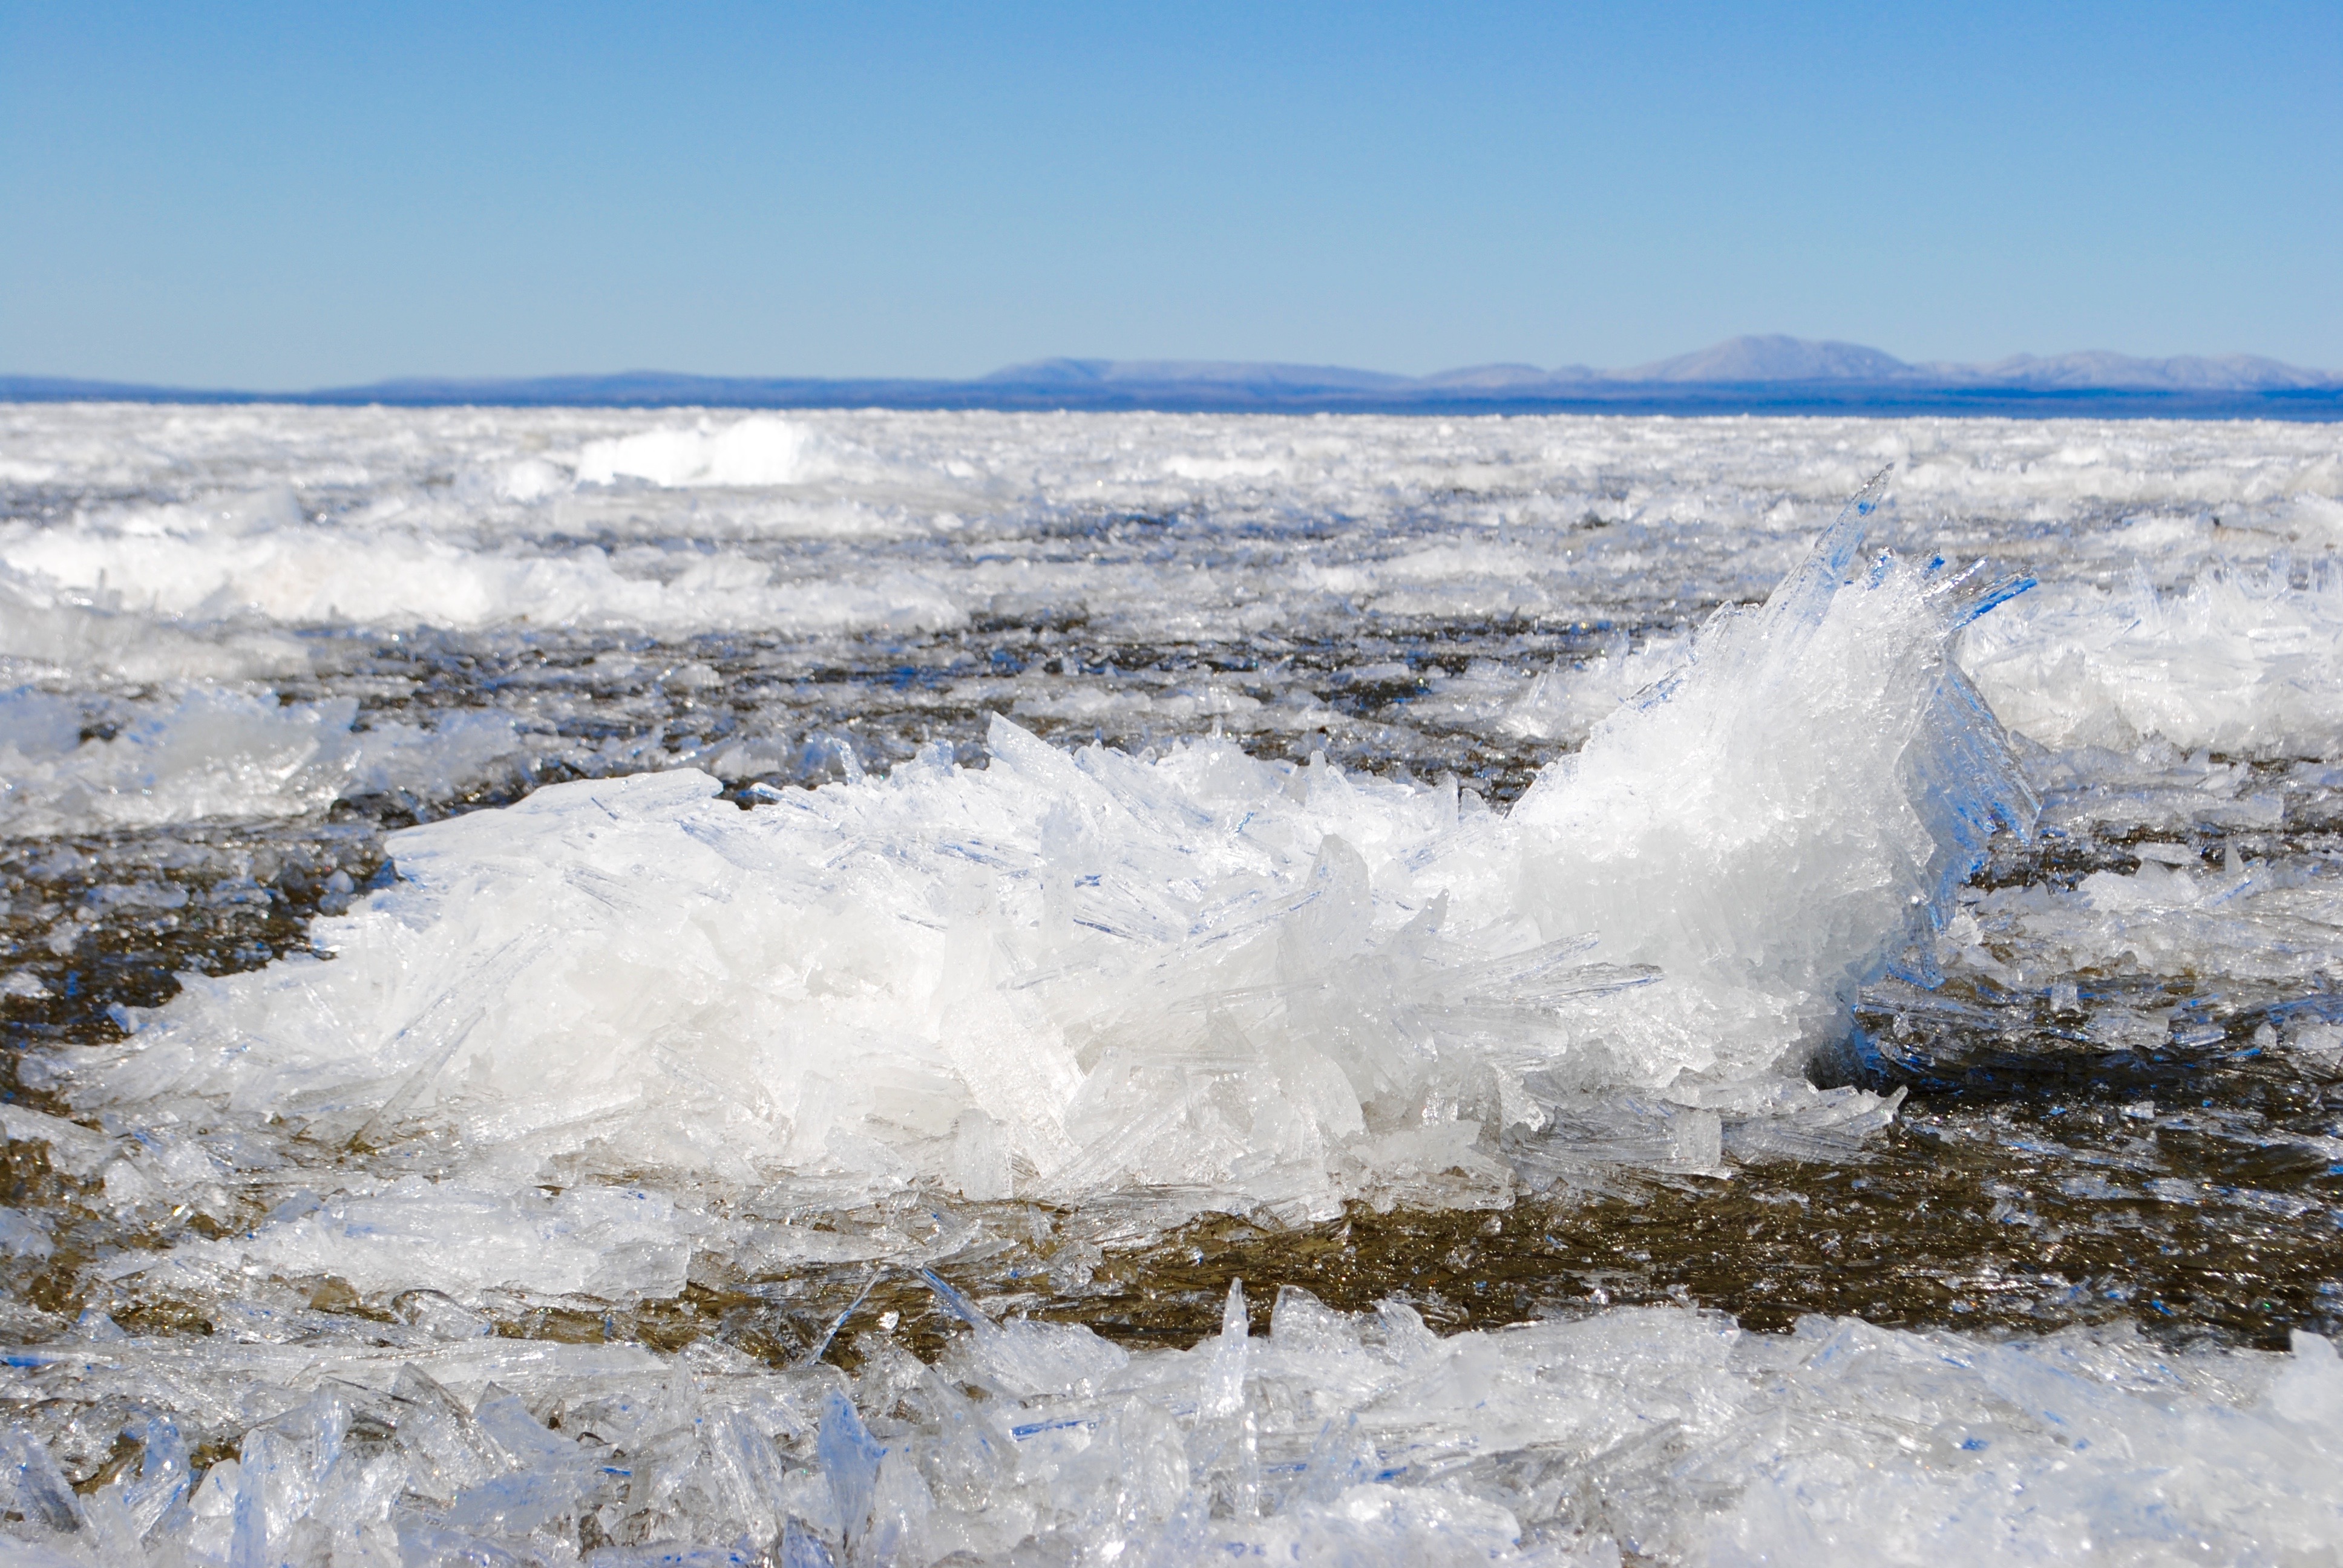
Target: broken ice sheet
{"x":1404,"y":596}
{"x":1660,"y":1433}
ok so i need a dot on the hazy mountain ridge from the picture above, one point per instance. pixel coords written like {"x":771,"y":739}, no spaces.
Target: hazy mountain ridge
{"x":2099,"y":368}
{"x":1737,"y":361}
{"x":1772,"y":357}
{"x":1764,"y":373}
{"x":1188,"y":373}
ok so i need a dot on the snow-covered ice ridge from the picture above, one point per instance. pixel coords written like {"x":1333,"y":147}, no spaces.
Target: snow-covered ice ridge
{"x":624,"y":1036}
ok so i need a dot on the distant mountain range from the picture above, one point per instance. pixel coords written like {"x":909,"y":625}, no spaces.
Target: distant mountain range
{"x":1742,"y":375}
{"x":1736,"y":362}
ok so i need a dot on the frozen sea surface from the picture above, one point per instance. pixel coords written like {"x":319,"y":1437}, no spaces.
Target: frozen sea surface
{"x":679,"y":989}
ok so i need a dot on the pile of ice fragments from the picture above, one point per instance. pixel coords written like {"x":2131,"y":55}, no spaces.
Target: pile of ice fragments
{"x":2240,"y":661}
{"x":1663,"y":1433}
{"x":1275,"y":987}
{"x":207,"y":754}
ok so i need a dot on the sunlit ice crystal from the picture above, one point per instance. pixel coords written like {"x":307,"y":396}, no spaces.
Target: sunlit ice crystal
{"x":1064,"y":974}
{"x":1774,"y":822}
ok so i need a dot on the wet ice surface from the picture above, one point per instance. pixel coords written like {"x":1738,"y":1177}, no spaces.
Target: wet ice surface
{"x":564,"y":1209}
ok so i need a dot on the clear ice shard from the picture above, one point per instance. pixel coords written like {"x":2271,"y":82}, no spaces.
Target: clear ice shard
{"x":1068,"y":974}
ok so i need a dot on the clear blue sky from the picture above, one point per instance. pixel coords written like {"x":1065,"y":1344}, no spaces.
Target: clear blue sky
{"x":285,"y":195}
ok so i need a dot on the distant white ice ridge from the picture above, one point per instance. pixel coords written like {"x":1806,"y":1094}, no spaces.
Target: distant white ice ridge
{"x":1653,"y":1435}
{"x":1269,"y":986}
{"x":758,"y":450}
{"x":319,"y":576}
